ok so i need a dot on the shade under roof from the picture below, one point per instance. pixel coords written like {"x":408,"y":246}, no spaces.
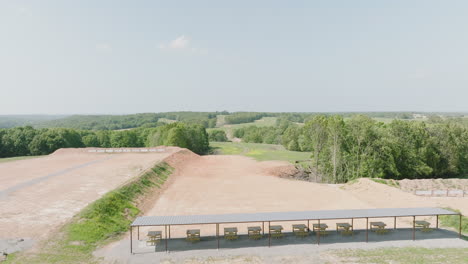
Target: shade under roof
{"x":288,"y":216}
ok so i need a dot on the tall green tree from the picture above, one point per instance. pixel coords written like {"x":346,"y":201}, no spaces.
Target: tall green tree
{"x":316,"y":136}
{"x":336,"y":135}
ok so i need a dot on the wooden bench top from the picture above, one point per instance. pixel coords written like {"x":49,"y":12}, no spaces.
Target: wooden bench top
{"x":379,"y":224}
{"x":276,"y":227}
{"x":193,"y":231}
{"x":230,"y":229}
{"x":154,"y":233}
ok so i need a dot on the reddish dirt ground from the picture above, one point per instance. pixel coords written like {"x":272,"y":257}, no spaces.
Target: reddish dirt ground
{"x":38,"y":195}
{"x":236,"y":184}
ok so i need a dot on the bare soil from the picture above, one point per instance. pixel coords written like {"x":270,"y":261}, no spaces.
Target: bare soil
{"x":433,"y":184}
{"x":237,"y":184}
{"x":381,"y":195}
{"x":38,"y":195}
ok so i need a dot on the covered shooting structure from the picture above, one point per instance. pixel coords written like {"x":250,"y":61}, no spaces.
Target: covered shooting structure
{"x":216,"y":219}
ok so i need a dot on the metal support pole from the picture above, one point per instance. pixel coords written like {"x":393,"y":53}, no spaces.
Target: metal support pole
{"x":138,"y":230}
{"x":131,"y":242}
{"x":352,"y":224}
{"x":460,"y":227}
{"x":414,"y":227}
{"x":308,"y":226}
{"x":263,"y":228}
{"x":367,"y":229}
{"x":217,"y":235}
{"x":437,"y":221}
{"x":269,"y":235}
{"x":394,"y":223}
{"x":169,"y":231}
{"x":318,"y":233}
{"x":165,"y":234}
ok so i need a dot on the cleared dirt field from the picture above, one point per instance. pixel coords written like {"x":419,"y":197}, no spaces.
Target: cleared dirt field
{"x":38,"y":195}
{"x":236,"y":184}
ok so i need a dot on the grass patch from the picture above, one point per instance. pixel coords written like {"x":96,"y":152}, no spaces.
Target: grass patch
{"x":229,"y":128}
{"x":404,"y":255}
{"x":262,"y":122}
{"x":453,"y":221}
{"x":260,"y":152}
{"x":105,"y":220}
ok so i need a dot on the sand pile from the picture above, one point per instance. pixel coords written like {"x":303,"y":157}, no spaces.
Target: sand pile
{"x":180,"y":157}
{"x":383,"y":196}
{"x":433,"y":184}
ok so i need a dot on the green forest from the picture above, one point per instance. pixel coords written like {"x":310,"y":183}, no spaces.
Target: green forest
{"x":342,"y":150}
{"x":342,"y":147}
{"x":25,"y":141}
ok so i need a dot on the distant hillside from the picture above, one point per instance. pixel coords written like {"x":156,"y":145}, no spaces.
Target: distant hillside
{"x":116,"y":122}
{"x":8,"y":121}
{"x":206,"y":119}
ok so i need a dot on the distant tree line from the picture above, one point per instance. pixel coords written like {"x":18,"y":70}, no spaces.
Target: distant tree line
{"x":25,"y":141}
{"x":362,"y":147}
{"x":116,"y":122}
{"x":8,"y":121}
{"x":206,"y":119}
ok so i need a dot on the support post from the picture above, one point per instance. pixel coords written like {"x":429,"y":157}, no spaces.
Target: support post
{"x":437,"y":221}
{"x":367,"y":229}
{"x":269,"y":235}
{"x":414,"y":228}
{"x":308,"y":226}
{"x":169,"y":231}
{"x":318,"y":233}
{"x":263,"y":228}
{"x":460,"y":227}
{"x":165,"y":234}
{"x":352,"y":224}
{"x":394,"y":223}
{"x":131,"y":242}
{"x":217,"y":235}
{"x":138,"y":234}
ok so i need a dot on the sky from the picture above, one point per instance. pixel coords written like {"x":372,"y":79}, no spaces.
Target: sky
{"x":118,"y":57}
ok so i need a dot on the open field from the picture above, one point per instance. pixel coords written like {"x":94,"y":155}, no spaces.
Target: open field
{"x":229,"y":128}
{"x":264,"y":121}
{"x":260,"y":152}
{"x":235,"y":184}
{"x":38,"y":195}
{"x":45,"y":198}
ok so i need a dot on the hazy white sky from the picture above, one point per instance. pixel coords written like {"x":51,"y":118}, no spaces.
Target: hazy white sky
{"x":65,"y":57}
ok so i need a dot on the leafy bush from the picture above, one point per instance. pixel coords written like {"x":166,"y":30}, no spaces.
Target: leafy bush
{"x":217,"y":136}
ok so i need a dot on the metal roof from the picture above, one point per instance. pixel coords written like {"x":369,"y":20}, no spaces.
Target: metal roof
{"x":288,"y":216}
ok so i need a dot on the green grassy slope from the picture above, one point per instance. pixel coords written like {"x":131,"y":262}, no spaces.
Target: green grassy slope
{"x":257,"y":151}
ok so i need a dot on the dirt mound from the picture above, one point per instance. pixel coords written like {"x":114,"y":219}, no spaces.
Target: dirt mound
{"x":38,"y":195}
{"x":433,"y":184}
{"x":91,"y":150}
{"x":383,"y":196}
{"x":283,"y":169}
{"x":181,"y":157}
{"x":67,"y":151}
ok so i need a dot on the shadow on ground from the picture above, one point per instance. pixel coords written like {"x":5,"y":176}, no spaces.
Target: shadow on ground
{"x":180,"y":244}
